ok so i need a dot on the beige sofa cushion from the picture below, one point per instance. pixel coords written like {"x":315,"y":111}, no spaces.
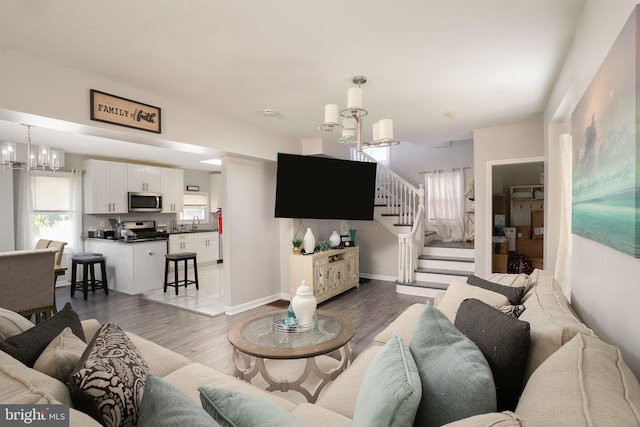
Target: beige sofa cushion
{"x":403,"y":325}
{"x":590,"y":385}
{"x":161,"y":360}
{"x":188,"y":378}
{"x":492,"y":419}
{"x":340,"y":396}
{"x":21,"y":384}
{"x":552,"y":320}
{"x":317,"y":416}
{"x":459,"y":290}
{"x":12,"y":323}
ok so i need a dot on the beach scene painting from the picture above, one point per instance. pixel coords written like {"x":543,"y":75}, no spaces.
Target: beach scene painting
{"x":606,"y":178}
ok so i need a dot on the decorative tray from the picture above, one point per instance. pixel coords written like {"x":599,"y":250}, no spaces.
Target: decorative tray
{"x":279,"y":323}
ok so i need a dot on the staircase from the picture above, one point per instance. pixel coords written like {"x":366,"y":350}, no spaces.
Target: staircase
{"x":426,"y":265}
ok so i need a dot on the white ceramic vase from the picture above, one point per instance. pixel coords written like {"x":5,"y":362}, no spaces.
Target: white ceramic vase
{"x":334,"y":239}
{"x":304,"y":304}
{"x":309,"y":244}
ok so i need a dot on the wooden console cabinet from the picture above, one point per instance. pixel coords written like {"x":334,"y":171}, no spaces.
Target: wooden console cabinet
{"x":328,"y":273}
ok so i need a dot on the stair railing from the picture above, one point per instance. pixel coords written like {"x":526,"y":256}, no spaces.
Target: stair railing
{"x":400,"y":198}
{"x":410,"y":246}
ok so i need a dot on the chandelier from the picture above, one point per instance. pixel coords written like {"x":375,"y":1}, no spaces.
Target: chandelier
{"x":41,"y":157}
{"x":351,"y":125}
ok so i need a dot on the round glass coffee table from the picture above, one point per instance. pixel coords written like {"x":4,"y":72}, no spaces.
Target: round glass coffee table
{"x":300,"y":361}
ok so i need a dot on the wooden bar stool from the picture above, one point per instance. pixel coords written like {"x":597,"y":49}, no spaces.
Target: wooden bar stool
{"x":88,"y":260}
{"x":176,"y":258}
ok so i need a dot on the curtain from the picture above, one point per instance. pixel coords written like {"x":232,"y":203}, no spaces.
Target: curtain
{"x":75,"y":209}
{"x":563,"y":263}
{"x":446,"y":203}
{"x":25,"y":230}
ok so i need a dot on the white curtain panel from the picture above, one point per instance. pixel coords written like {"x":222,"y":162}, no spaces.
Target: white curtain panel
{"x":75,"y":209}
{"x":25,"y":231}
{"x":446,"y":203}
{"x":563,"y":263}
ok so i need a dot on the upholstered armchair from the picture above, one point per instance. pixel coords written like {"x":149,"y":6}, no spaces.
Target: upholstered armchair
{"x":27,"y":282}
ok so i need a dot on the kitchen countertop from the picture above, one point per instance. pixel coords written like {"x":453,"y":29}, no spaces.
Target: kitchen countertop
{"x":197,"y":230}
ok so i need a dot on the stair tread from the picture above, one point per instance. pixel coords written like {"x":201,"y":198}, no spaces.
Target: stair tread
{"x":446,"y":258}
{"x":421,"y":284}
{"x":442,"y":271}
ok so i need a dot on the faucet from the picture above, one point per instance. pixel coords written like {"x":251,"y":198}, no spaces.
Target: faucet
{"x":193,"y":222}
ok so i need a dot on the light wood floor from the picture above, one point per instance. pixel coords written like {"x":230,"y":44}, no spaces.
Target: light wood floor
{"x":203,"y":339}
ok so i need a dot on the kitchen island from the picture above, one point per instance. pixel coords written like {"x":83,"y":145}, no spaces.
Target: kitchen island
{"x":132,"y":267}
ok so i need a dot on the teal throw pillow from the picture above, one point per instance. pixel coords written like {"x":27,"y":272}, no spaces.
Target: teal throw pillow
{"x":235,"y":409}
{"x":163,"y":405}
{"x":390,"y":392}
{"x":456,"y":379}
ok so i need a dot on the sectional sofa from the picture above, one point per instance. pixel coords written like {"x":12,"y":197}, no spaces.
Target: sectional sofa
{"x":422,"y":365}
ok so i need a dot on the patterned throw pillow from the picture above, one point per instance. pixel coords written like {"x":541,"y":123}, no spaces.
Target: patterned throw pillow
{"x":109,"y":382}
{"x":511,"y":310}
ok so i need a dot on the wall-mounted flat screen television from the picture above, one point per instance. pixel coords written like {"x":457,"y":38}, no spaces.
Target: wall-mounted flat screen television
{"x":324,"y":188}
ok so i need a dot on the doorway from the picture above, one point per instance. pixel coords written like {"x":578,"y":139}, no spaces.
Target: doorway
{"x":517,"y":215}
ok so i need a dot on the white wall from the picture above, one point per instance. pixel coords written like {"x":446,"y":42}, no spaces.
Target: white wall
{"x":44,"y":90}
{"x":604,"y":283}
{"x":251,"y":234}
{"x":504,"y":144}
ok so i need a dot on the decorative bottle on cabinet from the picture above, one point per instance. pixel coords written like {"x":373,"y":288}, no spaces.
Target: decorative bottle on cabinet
{"x":304,"y":304}
{"x":335,"y":239}
{"x":309,"y":244}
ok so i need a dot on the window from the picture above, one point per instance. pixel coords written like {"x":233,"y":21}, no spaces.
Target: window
{"x":381,"y":154}
{"x":196,"y":207}
{"x":51,"y":201}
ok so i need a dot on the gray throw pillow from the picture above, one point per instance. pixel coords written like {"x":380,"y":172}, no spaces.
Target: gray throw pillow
{"x":504,"y":341}
{"x":27,"y":346}
{"x":456,"y":379}
{"x":513,"y":293}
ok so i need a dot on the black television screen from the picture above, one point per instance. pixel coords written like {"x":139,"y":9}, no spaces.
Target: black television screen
{"x":324,"y":188}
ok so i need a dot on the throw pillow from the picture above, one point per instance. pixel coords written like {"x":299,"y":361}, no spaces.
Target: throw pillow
{"x":27,"y":346}
{"x":109,"y":381}
{"x":459,"y":291}
{"x":511,"y":310}
{"x":512,"y":279}
{"x":390,"y":391}
{"x":12,"y":323}
{"x":163,"y":405}
{"x":456,"y":379}
{"x":504,"y":342}
{"x":236,"y":409}
{"x":61,"y":355}
{"x":513,"y":293}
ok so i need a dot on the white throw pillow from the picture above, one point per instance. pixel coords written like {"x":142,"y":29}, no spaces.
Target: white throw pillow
{"x":61,"y":355}
{"x":459,"y":291}
{"x":12,"y":323}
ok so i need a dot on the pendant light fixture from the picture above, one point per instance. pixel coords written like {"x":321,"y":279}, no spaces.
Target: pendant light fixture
{"x":42,"y":157}
{"x":351,"y":126}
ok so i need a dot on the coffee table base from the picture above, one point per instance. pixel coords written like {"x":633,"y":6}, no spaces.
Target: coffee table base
{"x":323,"y":368}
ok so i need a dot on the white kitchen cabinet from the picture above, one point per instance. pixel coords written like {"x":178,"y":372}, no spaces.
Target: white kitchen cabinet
{"x":132,"y":268}
{"x":105,"y":187}
{"x":215,"y":188}
{"x":206,"y":247}
{"x":204,"y":244}
{"x":172,"y":184}
{"x":143,"y":178}
{"x":181,"y":243}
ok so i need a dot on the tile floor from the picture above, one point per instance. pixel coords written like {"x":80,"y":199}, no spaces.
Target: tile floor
{"x":206,"y":300}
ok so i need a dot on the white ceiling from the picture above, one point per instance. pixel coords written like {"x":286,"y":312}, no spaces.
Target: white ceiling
{"x":438,"y":68}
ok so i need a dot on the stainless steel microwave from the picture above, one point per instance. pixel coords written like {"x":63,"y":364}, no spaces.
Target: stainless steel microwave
{"x":145,"y":202}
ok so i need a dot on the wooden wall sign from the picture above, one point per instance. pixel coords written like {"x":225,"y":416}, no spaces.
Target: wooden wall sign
{"x":124,"y":112}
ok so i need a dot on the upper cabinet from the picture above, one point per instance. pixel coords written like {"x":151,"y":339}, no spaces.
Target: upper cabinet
{"x":143,"y":178}
{"x":215,"y":184}
{"x":172,"y":184}
{"x":105,"y":187}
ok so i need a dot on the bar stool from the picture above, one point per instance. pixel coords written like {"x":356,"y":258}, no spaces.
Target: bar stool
{"x":88,"y":260}
{"x":176,"y":258}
